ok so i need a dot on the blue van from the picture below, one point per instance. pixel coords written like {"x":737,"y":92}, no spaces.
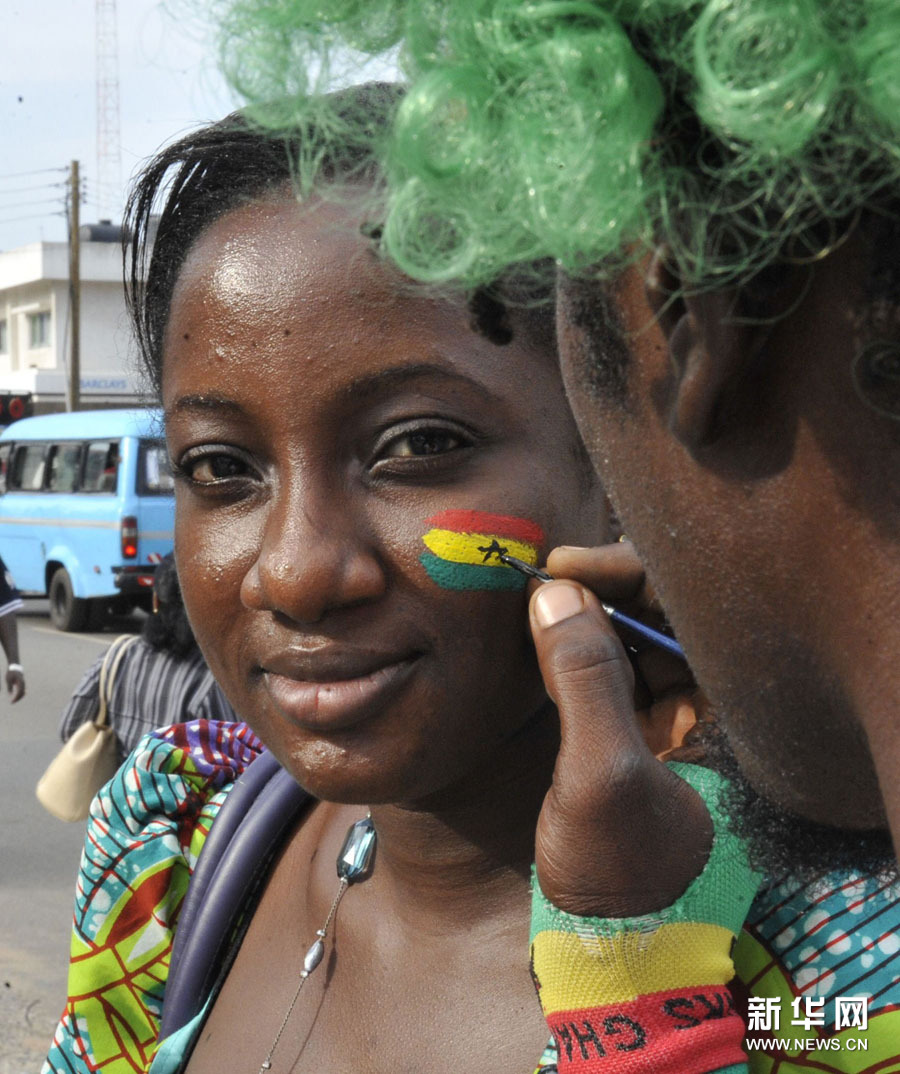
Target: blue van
{"x":86,"y":510}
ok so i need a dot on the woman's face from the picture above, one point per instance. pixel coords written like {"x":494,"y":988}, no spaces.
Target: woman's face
{"x":320,"y":416}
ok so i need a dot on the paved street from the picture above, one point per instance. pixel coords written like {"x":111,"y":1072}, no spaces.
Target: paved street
{"x":38,"y":854}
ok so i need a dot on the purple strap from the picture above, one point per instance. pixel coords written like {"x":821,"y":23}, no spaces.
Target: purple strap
{"x":249,"y":828}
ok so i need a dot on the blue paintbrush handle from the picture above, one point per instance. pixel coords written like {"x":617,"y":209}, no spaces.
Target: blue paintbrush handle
{"x":658,"y":638}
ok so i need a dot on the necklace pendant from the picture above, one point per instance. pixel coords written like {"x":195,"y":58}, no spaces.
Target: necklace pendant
{"x":313,"y":957}
{"x":356,"y":853}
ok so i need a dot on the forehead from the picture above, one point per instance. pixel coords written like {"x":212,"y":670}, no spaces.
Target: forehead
{"x":277,"y":283}
{"x":270,"y":253}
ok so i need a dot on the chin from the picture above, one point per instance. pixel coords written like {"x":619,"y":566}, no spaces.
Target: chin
{"x":784,"y":842}
{"x":793,"y":730}
{"x":335,"y":774}
{"x":854,"y":803}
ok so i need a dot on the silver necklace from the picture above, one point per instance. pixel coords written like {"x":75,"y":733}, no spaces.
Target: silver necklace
{"x":352,"y":864}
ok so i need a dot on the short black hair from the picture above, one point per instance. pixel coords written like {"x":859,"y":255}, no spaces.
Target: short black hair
{"x":214,"y":170}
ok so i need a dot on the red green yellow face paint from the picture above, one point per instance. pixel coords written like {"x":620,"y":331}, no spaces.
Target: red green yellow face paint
{"x":461,"y":549}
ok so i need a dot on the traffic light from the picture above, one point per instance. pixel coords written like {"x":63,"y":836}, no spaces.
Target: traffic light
{"x":13,"y":407}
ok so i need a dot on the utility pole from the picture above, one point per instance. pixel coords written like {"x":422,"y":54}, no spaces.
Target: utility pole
{"x":72,"y":388}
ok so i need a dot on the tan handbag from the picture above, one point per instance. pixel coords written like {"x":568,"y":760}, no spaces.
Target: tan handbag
{"x":90,"y":757}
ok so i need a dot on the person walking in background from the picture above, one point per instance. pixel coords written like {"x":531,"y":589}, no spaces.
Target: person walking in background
{"x":10,"y":602}
{"x":163,"y":678}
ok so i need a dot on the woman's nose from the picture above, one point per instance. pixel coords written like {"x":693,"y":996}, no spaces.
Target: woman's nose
{"x":312,"y":560}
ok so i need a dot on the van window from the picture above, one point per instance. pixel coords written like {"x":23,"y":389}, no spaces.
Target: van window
{"x":101,"y":466}
{"x":5,"y":450}
{"x":28,"y":467}
{"x":154,"y":477}
{"x":63,"y":465}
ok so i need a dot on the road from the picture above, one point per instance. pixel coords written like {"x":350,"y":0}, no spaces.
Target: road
{"x":38,"y":854}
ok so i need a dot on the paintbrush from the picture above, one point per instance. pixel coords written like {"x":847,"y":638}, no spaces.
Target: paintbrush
{"x":634,"y":625}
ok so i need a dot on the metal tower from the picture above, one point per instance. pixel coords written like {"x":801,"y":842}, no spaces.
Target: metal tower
{"x":109,"y":151}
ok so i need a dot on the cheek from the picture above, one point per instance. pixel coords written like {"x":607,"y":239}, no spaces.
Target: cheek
{"x":480,"y":619}
{"x":461,"y":549}
{"x":213,"y":558}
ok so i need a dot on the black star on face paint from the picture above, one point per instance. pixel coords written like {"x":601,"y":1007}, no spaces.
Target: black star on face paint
{"x":492,"y":549}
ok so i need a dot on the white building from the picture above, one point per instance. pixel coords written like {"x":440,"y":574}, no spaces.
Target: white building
{"x":35,"y":326}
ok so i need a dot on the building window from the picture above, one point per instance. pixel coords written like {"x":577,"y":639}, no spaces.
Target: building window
{"x":38,"y":329}
{"x":4,"y":342}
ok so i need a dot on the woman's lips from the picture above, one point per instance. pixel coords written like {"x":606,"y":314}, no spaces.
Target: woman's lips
{"x":339,"y":703}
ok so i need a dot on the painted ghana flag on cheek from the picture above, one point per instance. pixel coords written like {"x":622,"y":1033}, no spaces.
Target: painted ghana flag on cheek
{"x":462,"y":546}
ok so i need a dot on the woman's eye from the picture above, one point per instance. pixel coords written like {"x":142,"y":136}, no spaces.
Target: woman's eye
{"x":210,"y":469}
{"x":423,"y":442}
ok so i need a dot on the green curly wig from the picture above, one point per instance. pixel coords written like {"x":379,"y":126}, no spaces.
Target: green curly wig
{"x":739,"y":131}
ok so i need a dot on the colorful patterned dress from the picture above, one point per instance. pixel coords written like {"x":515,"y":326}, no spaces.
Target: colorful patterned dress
{"x":806,"y":946}
{"x":146,"y":828}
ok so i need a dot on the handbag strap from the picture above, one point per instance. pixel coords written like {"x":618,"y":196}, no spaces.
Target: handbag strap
{"x":249,"y":829}
{"x":108,"y":671}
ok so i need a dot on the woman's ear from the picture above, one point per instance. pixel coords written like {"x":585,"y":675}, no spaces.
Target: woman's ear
{"x":713,"y":342}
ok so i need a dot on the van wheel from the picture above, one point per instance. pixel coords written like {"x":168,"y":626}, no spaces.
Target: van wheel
{"x":67,"y":612}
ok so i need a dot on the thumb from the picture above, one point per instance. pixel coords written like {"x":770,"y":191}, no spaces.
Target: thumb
{"x":590,"y":679}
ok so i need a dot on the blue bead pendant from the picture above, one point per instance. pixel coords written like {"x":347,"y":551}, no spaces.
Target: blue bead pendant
{"x":356,"y":853}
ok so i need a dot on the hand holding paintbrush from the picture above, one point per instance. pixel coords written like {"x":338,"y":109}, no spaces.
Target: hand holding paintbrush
{"x":663,"y":641}
{"x":619,"y":833}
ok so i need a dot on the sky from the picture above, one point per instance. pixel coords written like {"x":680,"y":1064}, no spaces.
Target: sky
{"x":168,"y":83}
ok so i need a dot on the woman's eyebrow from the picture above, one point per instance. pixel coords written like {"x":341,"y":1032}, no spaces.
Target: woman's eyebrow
{"x":377,"y":383}
{"x":395,"y":376}
{"x":204,"y":403}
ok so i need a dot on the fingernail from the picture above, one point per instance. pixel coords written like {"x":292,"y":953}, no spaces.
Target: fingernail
{"x":571,"y":548}
{"x":554,"y":603}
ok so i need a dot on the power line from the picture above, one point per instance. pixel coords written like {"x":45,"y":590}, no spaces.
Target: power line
{"x":33,"y":189}
{"x":29,"y":204}
{"x":37,"y":171}
{"x":33,"y":216}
